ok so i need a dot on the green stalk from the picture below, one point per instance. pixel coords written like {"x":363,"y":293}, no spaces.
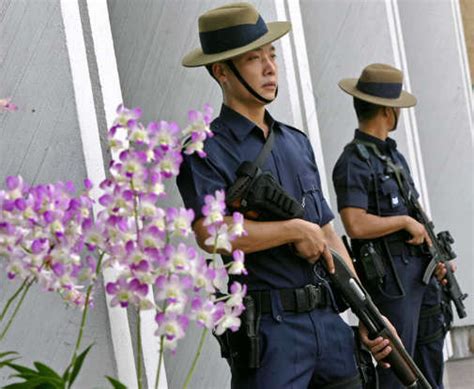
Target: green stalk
{"x":10,"y":321}
{"x":203,"y":335}
{"x":135,"y":211}
{"x":139,"y":351}
{"x":11,"y":299}
{"x":196,"y":357}
{"x":84,"y":318}
{"x":139,"y":333}
{"x":160,"y":361}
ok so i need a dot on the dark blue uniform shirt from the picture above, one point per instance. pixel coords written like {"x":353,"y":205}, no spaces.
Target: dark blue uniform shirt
{"x":236,"y":139}
{"x":353,"y":179}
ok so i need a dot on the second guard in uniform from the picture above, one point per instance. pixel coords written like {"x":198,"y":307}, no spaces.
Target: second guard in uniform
{"x":387,"y":241}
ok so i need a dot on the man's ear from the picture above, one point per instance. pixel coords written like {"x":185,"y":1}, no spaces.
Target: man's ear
{"x":219,"y":71}
{"x":387,"y":111}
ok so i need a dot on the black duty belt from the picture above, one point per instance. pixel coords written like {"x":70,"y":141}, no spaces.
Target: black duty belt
{"x":297,"y":300}
{"x":400,"y":247}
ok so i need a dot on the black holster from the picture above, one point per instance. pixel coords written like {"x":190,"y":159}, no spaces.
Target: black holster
{"x":242,"y":348}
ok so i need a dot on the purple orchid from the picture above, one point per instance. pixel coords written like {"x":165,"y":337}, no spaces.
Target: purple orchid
{"x":237,"y":228}
{"x":7,"y":105}
{"x":219,"y":237}
{"x":172,"y":327}
{"x":165,"y":135}
{"x":237,"y":265}
{"x":203,"y":312}
{"x":124,"y":115}
{"x":179,"y":221}
{"x":214,"y":208}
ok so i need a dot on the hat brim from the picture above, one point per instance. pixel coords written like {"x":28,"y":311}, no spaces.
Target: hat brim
{"x":197,"y":58}
{"x":349,"y":85}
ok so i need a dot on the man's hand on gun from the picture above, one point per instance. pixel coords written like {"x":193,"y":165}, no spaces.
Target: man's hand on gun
{"x":418,"y":232}
{"x":312,"y":244}
{"x":441,"y":271}
{"x":379,"y":347}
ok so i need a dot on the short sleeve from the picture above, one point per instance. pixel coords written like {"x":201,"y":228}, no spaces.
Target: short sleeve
{"x":197,"y":178}
{"x":326,"y":213}
{"x":351,"y":177}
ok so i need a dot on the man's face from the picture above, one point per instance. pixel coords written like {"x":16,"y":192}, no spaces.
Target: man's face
{"x":260,"y":70}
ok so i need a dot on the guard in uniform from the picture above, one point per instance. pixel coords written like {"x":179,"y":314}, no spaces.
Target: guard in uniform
{"x":297,"y":338}
{"x":387,"y":242}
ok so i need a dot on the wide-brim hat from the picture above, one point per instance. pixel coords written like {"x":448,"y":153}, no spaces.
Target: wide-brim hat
{"x":232,"y":30}
{"x":379,"y":84}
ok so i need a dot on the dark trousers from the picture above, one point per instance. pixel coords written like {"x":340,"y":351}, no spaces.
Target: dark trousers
{"x":429,"y":351}
{"x":299,"y":351}
{"x":404,"y":313}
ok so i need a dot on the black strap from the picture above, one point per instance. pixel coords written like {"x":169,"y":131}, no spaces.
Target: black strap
{"x":234,"y":69}
{"x":397,"y":169}
{"x":421,"y":340}
{"x":429,"y":312}
{"x":364,"y":154}
{"x":267,"y":148}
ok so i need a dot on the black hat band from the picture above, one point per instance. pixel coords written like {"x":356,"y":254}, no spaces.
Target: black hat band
{"x":387,"y":90}
{"x":213,"y":42}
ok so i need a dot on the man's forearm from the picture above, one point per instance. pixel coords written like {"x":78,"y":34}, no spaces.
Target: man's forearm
{"x":362,"y":225}
{"x":260,"y":235}
{"x":334,"y":242}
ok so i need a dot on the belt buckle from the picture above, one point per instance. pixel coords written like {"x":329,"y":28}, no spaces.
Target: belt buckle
{"x":313,"y":294}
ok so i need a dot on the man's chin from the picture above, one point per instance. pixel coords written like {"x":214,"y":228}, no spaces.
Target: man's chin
{"x":268,"y":95}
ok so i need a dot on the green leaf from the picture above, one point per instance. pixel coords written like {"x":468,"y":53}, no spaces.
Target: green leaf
{"x":36,"y":383}
{"x":78,"y":364}
{"x":23,"y":370}
{"x":116,"y":383}
{"x":46,"y":371}
{"x":66,"y":374}
{"x":19,"y":385}
{"x":4,"y":354}
{"x":6,"y":362}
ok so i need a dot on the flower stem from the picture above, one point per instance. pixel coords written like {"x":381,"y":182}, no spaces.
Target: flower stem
{"x":84,"y":318}
{"x":135,"y":211}
{"x":11,"y":299}
{"x":139,"y":351}
{"x":160,"y":362}
{"x":139,"y":333}
{"x":196,"y":357}
{"x":10,"y":321}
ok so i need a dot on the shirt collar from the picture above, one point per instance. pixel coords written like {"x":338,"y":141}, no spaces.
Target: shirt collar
{"x":384,"y":145}
{"x":239,"y":125}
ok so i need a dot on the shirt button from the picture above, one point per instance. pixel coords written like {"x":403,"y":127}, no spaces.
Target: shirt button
{"x":279,"y":318}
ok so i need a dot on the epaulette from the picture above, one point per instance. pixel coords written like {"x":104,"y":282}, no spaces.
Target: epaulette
{"x":361,"y":149}
{"x":293,"y":128}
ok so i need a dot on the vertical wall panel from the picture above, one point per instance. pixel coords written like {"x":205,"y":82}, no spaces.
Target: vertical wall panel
{"x":444,"y":126}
